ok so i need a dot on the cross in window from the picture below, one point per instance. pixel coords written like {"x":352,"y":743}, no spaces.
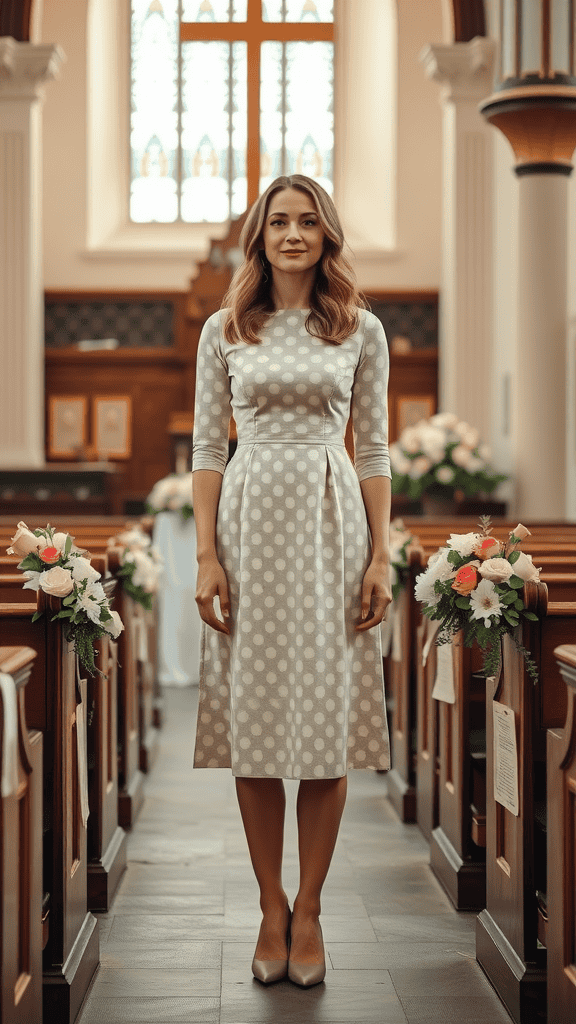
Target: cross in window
{"x":254,"y":31}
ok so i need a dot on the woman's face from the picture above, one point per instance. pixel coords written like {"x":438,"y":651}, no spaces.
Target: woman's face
{"x":293,"y":236}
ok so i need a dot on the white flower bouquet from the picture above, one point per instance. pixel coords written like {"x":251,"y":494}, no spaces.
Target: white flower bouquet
{"x":141,"y":565}
{"x":172,"y":494}
{"x":475,"y":585}
{"x":51,"y":562}
{"x":399,"y":541}
{"x":440,"y":456}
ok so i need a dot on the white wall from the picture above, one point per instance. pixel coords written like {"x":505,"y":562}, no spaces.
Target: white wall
{"x":403,"y":251}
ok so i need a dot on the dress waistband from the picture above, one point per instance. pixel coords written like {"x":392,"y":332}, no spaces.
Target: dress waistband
{"x":293,"y":440}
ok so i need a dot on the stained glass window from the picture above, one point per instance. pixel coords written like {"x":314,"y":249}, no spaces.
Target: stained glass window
{"x":195,"y":66}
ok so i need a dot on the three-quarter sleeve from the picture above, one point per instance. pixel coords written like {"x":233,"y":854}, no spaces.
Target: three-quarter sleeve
{"x":212,"y":403}
{"x":369,"y":403}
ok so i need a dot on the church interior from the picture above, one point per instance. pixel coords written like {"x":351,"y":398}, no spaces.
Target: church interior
{"x":134,"y":136}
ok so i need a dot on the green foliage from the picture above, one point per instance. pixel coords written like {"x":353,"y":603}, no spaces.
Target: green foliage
{"x":137,"y":593}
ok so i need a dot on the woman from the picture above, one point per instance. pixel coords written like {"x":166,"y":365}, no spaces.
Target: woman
{"x":293,"y":540}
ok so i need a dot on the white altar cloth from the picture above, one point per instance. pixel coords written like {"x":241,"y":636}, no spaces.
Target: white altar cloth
{"x":179,"y":618}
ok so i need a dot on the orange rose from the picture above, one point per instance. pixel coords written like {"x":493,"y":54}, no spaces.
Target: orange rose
{"x":487,"y":547}
{"x":465,"y":580}
{"x":50,"y":555}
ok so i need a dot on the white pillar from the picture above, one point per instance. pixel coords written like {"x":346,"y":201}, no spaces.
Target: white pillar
{"x":24,"y":68}
{"x":539,"y":418}
{"x":465,"y":315}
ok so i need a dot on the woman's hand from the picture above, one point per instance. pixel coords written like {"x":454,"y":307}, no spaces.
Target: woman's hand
{"x":376,"y":595}
{"x":212,"y":580}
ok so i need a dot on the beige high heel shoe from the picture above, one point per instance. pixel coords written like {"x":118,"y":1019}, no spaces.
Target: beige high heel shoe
{"x":268,"y":971}
{"x":305,"y":974}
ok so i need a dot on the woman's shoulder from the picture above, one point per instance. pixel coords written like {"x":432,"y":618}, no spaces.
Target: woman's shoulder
{"x":369,"y":320}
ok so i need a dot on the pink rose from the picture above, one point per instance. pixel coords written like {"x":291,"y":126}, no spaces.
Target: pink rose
{"x":57,"y":581}
{"x":49,"y":554}
{"x":24,"y":542}
{"x":487,"y":547}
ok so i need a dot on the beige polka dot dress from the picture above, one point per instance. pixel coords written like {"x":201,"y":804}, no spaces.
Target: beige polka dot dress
{"x":294,"y":691}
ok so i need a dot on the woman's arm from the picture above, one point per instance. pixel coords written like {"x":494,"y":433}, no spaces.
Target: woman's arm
{"x":376,"y":492}
{"x":369,"y":408}
{"x":212,"y":410}
{"x":206,"y":487}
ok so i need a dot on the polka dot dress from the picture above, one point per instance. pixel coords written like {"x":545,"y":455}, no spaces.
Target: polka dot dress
{"x":294,"y":691}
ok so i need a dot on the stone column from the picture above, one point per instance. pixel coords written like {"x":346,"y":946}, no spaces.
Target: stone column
{"x":24,"y":68}
{"x":539,"y":122}
{"x":465,"y":73}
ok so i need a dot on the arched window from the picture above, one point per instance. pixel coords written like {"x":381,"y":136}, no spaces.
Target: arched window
{"x":225,"y":96}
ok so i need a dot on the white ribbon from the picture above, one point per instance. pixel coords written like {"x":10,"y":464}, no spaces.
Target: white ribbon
{"x":386,"y":630}
{"x":397,"y":636}
{"x":82,"y":747}
{"x":140,"y":635}
{"x":82,"y":761}
{"x":10,"y":737}
{"x":432,"y":627}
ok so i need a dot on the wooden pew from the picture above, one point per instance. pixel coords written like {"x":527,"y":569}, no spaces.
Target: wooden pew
{"x":426,"y":734}
{"x":508,"y":929}
{"x":401,"y":679}
{"x":456,"y":860}
{"x":136,"y":739}
{"x":21,"y":860}
{"x":106,"y":840}
{"x":561,"y":832}
{"x":71,"y":954}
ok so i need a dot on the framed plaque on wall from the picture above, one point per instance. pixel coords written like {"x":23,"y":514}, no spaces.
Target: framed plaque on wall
{"x":112,"y":426}
{"x":67,"y":426}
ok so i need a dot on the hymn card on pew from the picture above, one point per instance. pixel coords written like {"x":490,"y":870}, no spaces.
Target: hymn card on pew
{"x":505,"y":759}
{"x":444,"y":683}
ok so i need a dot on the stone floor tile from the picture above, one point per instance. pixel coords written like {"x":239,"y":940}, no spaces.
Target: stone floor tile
{"x":183,"y":927}
{"x":162,"y":903}
{"x":285,"y":1003}
{"x":151,"y":1010}
{"x":124,"y":982}
{"x":177,"y":955}
{"x":387,"y":955}
{"x":455,"y":1010}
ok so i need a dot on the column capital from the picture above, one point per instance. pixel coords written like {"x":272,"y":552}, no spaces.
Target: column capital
{"x":26,"y":67}
{"x":463,"y":69}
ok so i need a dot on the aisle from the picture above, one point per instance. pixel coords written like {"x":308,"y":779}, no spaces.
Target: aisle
{"x":179,"y":940}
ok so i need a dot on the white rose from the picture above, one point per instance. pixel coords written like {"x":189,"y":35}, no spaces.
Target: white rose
{"x":439,"y":568}
{"x":115,"y":627}
{"x":24,"y":541}
{"x":485,"y":452}
{"x":445,"y":475}
{"x":410,"y":440}
{"x":57,"y":581}
{"x":59,"y":541}
{"x":525,"y":568}
{"x":445,"y":420}
{"x":463,"y":543}
{"x":498,"y":570}
{"x":433,"y":442}
{"x":419,"y":467}
{"x":461,"y":456}
{"x":82,"y":570}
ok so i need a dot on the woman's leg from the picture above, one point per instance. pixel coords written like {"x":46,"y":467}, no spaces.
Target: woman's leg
{"x":262,"y":806}
{"x":319,"y":810}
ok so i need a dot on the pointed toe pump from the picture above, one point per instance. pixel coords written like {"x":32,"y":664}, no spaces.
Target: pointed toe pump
{"x":305,"y":974}
{"x":268,"y":971}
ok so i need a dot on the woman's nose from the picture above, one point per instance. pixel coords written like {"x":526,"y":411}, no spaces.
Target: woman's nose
{"x":293,"y":232}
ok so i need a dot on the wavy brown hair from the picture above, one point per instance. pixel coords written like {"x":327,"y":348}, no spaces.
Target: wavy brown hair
{"x":335,"y":298}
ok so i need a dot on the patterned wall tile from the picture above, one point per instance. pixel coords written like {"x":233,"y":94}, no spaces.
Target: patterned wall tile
{"x":417,"y":321}
{"x":135,"y":324}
